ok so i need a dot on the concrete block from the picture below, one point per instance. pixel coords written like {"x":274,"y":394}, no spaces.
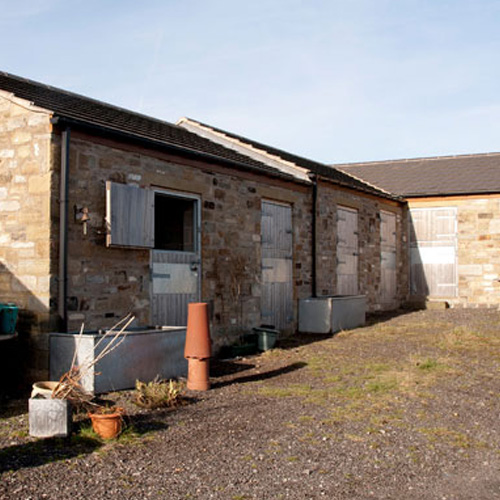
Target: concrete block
{"x":49,"y":418}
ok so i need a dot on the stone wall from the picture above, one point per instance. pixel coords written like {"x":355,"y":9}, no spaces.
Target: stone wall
{"x":369,"y":264}
{"x":25,"y":210}
{"x":478,"y":239}
{"x":105,"y":283}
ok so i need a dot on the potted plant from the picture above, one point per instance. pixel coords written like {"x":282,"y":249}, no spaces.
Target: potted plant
{"x":50,"y":405}
{"x":107,"y":421}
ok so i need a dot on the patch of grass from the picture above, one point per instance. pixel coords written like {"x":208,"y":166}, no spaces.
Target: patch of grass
{"x":381,"y":386}
{"x":355,"y":437}
{"x":428,"y":364}
{"x":306,"y":418}
{"x":86,"y":432}
{"x":451,"y":437}
{"x":305,"y":391}
{"x":20,"y":434}
{"x":129,"y":435}
{"x":460,"y":338}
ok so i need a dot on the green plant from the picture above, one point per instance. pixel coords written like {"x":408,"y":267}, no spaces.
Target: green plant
{"x":106,"y":409}
{"x":158,"y":394}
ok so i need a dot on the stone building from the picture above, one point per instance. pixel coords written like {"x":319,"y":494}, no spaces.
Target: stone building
{"x":454,"y":221}
{"x":104,"y":211}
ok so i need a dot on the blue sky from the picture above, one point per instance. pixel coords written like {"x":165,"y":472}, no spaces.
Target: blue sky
{"x":332,"y":80}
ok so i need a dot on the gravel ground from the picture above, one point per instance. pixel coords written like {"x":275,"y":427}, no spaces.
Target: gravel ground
{"x":405,"y":408}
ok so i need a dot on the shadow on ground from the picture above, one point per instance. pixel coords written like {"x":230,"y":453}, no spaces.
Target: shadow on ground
{"x":45,"y":451}
{"x":259,"y":376}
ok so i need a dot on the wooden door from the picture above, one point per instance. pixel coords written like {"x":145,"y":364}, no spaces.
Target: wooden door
{"x":167,"y":223}
{"x":277,"y":272}
{"x":433,"y":252}
{"x":347,"y":251}
{"x":176,"y":258}
{"x":388,"y":281}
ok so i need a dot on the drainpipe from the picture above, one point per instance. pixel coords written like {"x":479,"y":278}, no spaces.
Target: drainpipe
{"x":63,"y":231}
{"x":314,"y":179}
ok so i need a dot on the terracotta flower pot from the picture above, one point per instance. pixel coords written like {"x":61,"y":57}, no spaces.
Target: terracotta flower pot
{"x":107,"y":425}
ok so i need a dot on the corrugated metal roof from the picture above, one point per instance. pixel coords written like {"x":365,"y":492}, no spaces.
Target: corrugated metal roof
{"x":436,"y":176}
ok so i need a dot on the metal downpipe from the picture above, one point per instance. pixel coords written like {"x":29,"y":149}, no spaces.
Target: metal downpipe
{"x":63,"y":231}
{"x":314,"y":179}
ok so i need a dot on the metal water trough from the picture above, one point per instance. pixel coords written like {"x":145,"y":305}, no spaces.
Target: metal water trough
{"x":143,"y":355}
{"x":330,"y":314}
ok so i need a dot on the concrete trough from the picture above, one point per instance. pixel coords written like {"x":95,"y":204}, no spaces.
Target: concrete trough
{"x":143,"y":355}
{"x":330,"y":314}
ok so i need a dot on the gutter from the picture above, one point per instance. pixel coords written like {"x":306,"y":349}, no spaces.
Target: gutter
{"x":63,"y":231}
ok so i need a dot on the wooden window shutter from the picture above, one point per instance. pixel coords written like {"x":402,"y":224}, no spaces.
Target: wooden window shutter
{"x":129,"y":215}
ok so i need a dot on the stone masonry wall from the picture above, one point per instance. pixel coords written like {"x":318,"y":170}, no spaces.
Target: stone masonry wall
{"x":369,"y":264}
{"x":478,"y":255}
{"x":25,"y":175}
{"x":105,"y":283}
{"x":478,"y":240}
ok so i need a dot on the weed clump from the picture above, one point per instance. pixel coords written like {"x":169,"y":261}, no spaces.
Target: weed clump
{"x":159,"y":394}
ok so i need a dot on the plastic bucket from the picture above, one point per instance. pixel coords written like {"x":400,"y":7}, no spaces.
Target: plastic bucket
{"x":8,"y":319}
{"x":266,"y":338}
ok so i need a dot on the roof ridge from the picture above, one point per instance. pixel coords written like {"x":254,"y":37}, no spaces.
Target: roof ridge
{"x":414,"y":160}
{"x":284,"y":158}
{"x":232,"y":139}
{"x":250,"y":142}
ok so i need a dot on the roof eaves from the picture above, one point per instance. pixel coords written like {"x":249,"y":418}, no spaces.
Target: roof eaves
{"x":62,"y":119}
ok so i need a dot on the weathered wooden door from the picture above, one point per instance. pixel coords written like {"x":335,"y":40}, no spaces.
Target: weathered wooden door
{"x":175,"y":260}
{"x":277,"y":272}
{"x":347,"y":251}
{"x":168,"y":224}
{"x":388,"y":276}
{"x":433,"y":249}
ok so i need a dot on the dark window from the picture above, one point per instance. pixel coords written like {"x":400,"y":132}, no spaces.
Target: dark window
{"x":174,"y":223}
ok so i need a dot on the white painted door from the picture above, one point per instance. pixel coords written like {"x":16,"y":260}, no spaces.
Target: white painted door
{"x":433,"y":252}
{"x":388,"y":280}
{"x":277,"y":259}
{"x":347,"y":251}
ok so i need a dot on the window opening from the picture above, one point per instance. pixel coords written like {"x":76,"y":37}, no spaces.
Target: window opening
{"x":175,"y":222}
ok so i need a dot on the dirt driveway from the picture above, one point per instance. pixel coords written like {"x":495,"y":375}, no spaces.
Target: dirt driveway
{"x":405,"y":408}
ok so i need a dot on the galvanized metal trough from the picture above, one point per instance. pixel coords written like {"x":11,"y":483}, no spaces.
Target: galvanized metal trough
{"x":330,"y":314}
{"x":143,"y":355}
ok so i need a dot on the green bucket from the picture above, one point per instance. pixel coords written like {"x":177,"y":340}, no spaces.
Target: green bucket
{"x":266,"y":338}
{"x":8,"y":319}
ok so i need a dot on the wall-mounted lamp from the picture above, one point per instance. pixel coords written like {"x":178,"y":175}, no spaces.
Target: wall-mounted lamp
{"x":82,"y":216}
